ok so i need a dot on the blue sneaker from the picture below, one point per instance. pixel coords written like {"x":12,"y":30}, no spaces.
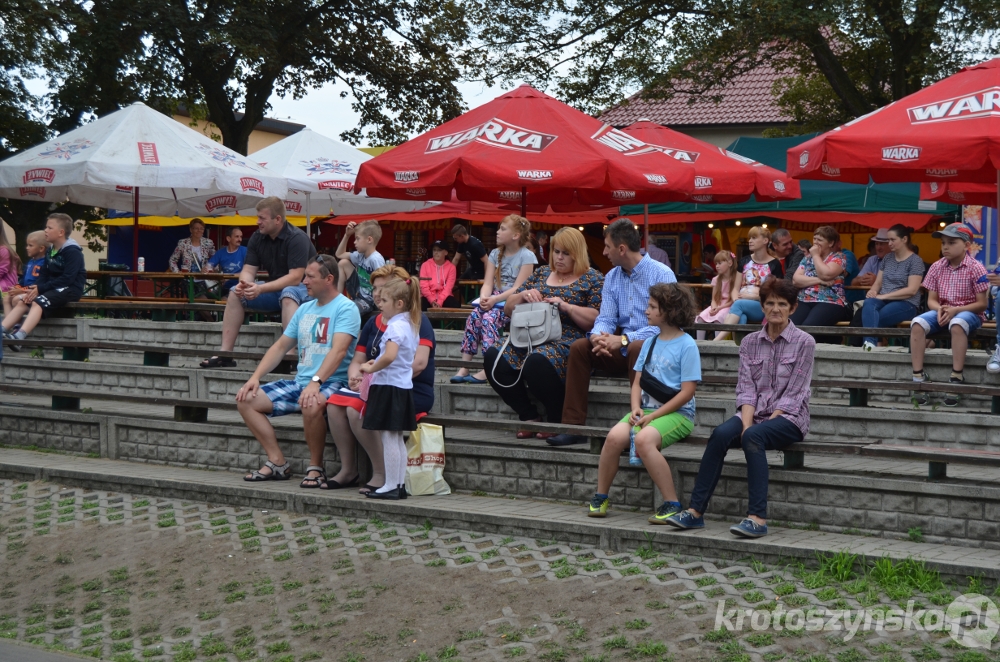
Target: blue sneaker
{"x":749,"y":529}
{"x":685,"y":520}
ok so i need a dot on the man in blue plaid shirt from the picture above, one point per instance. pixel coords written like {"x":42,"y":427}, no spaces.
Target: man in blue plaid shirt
{"x":621,"y":326}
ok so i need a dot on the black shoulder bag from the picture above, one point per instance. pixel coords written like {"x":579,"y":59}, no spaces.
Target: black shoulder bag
{"x":653,"y":386}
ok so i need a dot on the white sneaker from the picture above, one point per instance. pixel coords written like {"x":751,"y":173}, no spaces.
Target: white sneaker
{"x":993,"y":366}
{"x":869,"y":347}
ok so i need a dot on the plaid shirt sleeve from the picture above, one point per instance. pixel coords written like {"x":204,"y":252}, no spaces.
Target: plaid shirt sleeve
{"x":796,"y":391}
{"x":746,"y":390}
{"x":931,"y":280}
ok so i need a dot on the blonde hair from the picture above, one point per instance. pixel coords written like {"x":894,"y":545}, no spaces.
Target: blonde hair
{"x":369,"y":229}
{"x":758,"y":231}
{"x":570,"y":240}
{"x":389,"y":271}
{"x":520,"y":226}
{"x":408,"y":291}
{"x":730,"y":275}
{"x":38,"y":236}
{"x":274,"y":205}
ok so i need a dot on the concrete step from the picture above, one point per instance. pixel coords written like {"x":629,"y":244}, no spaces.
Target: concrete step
{"x":567,"y":523}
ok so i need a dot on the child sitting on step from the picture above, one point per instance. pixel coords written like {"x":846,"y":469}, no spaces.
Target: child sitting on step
{"x":389,"y":406}
{"x":662,"y":398}
{"x":956,"y":295}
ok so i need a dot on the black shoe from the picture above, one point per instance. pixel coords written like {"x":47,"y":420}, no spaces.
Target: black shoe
{"x":402,"y":492}
{"x":566,"y":440}
{"x":392,"y":495}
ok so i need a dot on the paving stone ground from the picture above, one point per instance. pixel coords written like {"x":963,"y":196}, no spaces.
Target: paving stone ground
{"x":128,"y":577}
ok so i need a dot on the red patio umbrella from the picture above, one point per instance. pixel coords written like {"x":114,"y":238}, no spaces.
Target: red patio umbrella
{"x":720,"y":175}
{"x":526,"y":146}
{"x":947,"y":132}
{"x":960,"y":193}
{"x":484,"y":212}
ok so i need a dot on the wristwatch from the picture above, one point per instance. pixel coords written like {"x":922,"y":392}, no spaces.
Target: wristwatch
{"x":316,"y":379}
{"x":624,"y":340}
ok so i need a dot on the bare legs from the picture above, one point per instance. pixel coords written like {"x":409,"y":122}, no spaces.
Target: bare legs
{"x":647,"y":445}
{"x":345,"y":426}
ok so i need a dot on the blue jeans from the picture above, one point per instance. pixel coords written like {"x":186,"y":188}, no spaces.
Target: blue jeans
{"x":969,"y":322}
{"x":749,"y":310}
{"x":775,"y":434}
{"x":270,"y":302}
{"x":877,"y":313}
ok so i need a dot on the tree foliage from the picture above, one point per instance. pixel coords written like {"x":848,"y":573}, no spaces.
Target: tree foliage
{"x":841,"y":58}
{"x":399,"y":58}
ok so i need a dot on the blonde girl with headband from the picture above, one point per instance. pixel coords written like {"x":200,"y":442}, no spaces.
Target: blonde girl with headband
{"x":389,"y":408}
{"x":725,"y":290}
{"x":754,"y":269}
{"x":509,"y":265}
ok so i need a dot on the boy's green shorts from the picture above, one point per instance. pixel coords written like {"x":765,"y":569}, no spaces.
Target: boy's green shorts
{"x":672,"y":427}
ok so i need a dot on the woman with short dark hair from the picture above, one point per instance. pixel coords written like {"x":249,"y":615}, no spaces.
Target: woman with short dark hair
{"x":822,"y":300}
{"x":895,"y":294}
{"x":772,"y":403}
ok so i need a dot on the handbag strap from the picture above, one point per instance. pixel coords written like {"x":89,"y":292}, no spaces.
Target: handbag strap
{"x":500,"y":356}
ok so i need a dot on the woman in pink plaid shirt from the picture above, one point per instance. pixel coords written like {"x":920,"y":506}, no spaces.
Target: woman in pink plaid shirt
{"x":772,"y":403}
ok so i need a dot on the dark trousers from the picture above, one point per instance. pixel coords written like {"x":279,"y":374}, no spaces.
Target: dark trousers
{"x":775,"y":434}
{"x":814,"y":313}
{"x":538,"y":378}
{"x":450,"y":302}
{"x":582,"y":362}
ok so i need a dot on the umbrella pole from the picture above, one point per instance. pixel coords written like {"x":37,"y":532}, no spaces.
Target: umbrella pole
{"x":308,"y":218}
{"x":645,"y":223}
{"x":135,"y":241}
{"x":524,"y":201}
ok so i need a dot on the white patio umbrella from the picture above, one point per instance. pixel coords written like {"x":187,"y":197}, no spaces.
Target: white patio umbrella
{"x":320,"y":173}
{"x":139,"y":159}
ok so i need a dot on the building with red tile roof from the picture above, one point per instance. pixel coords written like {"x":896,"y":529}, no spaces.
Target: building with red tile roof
{"x":747,"y":107}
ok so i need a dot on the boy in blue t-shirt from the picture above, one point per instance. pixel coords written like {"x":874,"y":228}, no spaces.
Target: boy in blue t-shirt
{"x":663,"y":413}
{"x":230,"y":260}
{"x":35,"y":246}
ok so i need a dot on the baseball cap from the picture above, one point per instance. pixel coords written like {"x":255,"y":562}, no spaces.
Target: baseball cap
{"x":882,"y":236}
{"x":439,"y":245}
{"x":955,"y":230}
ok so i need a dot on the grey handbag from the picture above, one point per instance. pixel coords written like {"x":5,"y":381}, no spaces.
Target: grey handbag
{"x":531,"y":325}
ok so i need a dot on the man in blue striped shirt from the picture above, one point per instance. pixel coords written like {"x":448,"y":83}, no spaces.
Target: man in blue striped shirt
{"x":621,"y":326}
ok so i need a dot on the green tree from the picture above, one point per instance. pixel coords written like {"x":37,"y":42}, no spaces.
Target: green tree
{"x":226,"y":58}
{"x":842,"y":58}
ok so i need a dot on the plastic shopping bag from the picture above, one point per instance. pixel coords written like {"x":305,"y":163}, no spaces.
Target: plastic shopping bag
{"x":425,"y":461}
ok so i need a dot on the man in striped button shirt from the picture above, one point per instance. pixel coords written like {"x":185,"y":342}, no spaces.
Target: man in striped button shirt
{"x":621,"y":326}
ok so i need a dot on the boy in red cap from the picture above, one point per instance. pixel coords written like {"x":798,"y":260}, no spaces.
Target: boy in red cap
{"x":956,"y":298}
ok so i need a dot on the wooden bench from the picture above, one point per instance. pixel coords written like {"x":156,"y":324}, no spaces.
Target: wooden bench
{"x":66,"y":399}
{"x":79,"y":350}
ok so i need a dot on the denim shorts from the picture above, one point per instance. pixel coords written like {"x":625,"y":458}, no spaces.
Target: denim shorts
{"x":270,"y":302}
{"x":969,"y":322}
{"x":284,"y":394}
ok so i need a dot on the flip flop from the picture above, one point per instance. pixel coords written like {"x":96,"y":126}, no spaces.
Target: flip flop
{"x":218,"y":362}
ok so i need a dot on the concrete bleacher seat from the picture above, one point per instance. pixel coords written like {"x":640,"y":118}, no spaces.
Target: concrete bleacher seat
{"x":885,"y":495}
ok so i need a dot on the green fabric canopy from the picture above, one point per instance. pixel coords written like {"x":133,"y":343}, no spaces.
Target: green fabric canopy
{"x":817,"y":196}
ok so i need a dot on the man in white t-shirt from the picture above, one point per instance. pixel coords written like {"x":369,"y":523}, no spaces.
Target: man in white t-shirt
{"x":325,"y":331}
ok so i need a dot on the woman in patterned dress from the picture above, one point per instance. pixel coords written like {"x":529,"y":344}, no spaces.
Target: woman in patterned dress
{"x":569,"y":283}
{"x":820,"y":279}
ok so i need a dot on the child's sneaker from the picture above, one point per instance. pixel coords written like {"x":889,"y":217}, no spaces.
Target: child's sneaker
{"x":868,"y":346}
{"x":599,"y":506}
{"x":919,"y":397}
{"x":952,"y":399}
{"x":666,"y":510}
{"x":993,"y":365}
{"x":10,"y":337}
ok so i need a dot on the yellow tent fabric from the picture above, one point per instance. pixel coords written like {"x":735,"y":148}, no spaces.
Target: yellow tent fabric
{"x":170,"y":221}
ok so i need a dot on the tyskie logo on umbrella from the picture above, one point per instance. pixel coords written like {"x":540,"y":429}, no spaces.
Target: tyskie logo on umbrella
{"x":623,"y":142}
{"x":803,"y":159}
{"x":941,"y":172}
{"x":534,"y":175}
{"x":147,"y":154}
{"x":293,"y":207}
{"x":406,"y":176}
{"x":496,"y":133}
{"x":901,"y":153}
{"x":252,"y":184}
{"x":32,"y":192}
{"x":702,"y":182}
{"x":36,"y":175}
{"x":967,"y":107}
{"x":220,"y":202}
{"x":337,"y":184}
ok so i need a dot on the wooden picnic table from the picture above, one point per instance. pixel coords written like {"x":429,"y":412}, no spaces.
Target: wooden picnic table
{"x":101,"y":278}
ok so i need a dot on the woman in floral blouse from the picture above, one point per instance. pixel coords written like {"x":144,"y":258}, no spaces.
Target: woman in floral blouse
{"x":192,"y":254}
{"x":569,"y":283}
{"x":820,"y":279}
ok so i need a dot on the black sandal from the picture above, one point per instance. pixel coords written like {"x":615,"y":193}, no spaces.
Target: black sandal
{"x":368,"y":488}
{"x":283,"y":472}
{"x":317,"y":481}
{"x":218,"y":362}
{"x":335,"y":485}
